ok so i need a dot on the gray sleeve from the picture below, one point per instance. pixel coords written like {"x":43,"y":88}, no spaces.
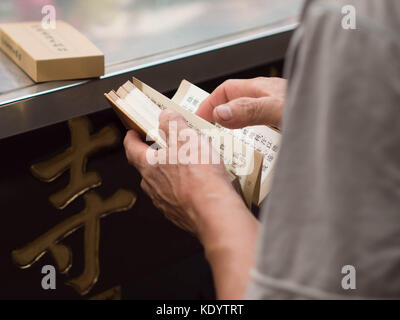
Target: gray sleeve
{"x":335,"y":199}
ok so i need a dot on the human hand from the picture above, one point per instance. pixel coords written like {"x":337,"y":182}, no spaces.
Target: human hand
{"x":199,"y":198}
{"x":187,"y":193}
{"x":238,"y":103}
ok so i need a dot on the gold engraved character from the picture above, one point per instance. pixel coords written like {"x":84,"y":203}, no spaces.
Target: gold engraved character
{"x":89,"y":218}
{"x":83,"y":144}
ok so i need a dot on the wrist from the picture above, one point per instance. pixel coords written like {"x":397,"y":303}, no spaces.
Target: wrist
{"x":229,"y":233}
{"x":220,"y":217}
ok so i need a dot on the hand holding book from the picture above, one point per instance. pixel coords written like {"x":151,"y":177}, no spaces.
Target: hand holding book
{"x":181,"y":191}
{"x":197,"y":197}
{"x":136,"y":104}
{"x":238,"y":103}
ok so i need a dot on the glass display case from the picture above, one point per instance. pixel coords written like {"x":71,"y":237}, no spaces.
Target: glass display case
{"x":163,"y":41}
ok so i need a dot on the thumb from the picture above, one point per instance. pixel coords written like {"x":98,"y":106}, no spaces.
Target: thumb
{"x":243,"y":112}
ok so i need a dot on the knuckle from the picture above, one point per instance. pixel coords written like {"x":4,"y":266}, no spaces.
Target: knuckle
{"x":252,"y":111}
{"x":250,"y":108}
{"x":163,"y":117}
{"x":128,"y":154}
{"x":143,"y":185}
{"x":228,"y":83}
{"x":170,"y":115}
{"x":128,"y":158}
{"x":259,"y":79}
{"x":263,"y":89}
{"x":245,"y":104}
{"x":179,"y":118}
{"x":126,"y":141}
{"x":142,"y":165}
{"x":139,"y":161}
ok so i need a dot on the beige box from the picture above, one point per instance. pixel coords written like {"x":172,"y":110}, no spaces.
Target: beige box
{"x":62,"y":53}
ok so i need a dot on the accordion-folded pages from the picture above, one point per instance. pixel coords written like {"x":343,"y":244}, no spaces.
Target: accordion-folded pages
{"x":249,"y":154}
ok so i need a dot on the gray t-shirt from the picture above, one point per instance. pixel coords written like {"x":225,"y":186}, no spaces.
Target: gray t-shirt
{"x":335,"y":199}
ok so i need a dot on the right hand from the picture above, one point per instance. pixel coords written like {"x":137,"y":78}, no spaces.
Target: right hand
{"x":240,"y":103}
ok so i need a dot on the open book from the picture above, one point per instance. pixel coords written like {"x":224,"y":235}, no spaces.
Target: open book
{"x":249,"y":154}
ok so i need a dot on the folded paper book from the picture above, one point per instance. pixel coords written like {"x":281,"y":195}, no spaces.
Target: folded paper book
{"x":249,"y":154}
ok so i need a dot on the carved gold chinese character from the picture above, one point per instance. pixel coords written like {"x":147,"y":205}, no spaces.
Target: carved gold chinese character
{"x":90,"y":219}
{"x":83,"y":144}
{"x":110,"y":294}
{"x":74,"y":158}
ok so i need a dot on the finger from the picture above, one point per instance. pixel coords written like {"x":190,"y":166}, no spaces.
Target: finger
{"x":171,"y":123}
{"x":243,"y":112}
{"x":136,"y":149}
{"x":182,"y":224}
{"x":175,"y":219}
{"x":227,"y":91}
{"x":146,"y":187}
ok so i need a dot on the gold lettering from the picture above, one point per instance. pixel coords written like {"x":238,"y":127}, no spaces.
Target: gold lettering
{"x":89,"y":218}
{"x":74,"y":158}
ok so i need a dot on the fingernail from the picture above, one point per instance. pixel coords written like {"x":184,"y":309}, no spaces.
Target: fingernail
{"x":224,"y":112}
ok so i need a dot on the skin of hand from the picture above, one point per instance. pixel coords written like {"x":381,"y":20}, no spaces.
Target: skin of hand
{"x":177,"y":189}
{"x":238,"y":103}
{"x":199,"y":197}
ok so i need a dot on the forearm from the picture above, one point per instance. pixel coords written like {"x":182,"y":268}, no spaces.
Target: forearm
{"x":232,"y":258}
{"x":229,"y":237}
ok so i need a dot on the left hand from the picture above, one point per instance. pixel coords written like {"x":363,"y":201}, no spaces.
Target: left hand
{"x":200,"y":198}
{"x":184,"y":192}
